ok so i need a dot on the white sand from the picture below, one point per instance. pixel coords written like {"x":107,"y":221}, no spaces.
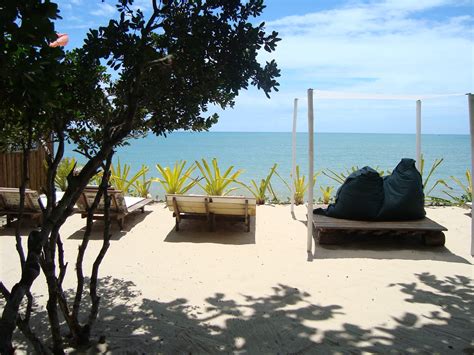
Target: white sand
{"x":231,"y":291}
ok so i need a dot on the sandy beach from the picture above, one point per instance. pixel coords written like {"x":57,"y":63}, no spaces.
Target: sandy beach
{"x":229,"y":291}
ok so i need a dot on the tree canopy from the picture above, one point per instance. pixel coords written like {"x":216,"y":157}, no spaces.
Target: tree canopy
{"x":160,"y":72}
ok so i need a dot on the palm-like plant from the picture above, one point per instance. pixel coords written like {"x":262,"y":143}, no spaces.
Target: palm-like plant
{"x":260,"y":191}
{"x":341,"y":177}
{"x":327,"y":192}
{"x":216,"y":182}
{"x":465,"y":187}
{"x":141,"y":187}
{"x":427,"y":188}
{"x":299,"y":184}
{"x":119,"y":176}
{"x":175,"y":180}
{"x":64,"y":169}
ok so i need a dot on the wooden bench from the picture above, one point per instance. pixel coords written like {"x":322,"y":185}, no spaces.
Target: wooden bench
{"x":201,"y":206}
{"x":10,"y":204}
{"x":333,"y":230}
{"x":120,"y":205}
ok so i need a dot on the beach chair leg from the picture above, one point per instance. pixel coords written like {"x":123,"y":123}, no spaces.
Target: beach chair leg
{"x":247,"y":217}
{"x":212,"y":222}
{"x":120,"y":222}
{"x":177,"y":224}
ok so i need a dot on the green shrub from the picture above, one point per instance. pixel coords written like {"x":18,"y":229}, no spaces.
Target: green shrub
{"x":216,"y":182}
{"x":175,"y":180}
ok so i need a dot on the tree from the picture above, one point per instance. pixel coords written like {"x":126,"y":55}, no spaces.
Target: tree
{"x":169,"y":68}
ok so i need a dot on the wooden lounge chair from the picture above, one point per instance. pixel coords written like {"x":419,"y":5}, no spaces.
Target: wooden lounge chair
{"x":331,"y":230}
{"x":10,"y":204}
{"x":200,"y":206}
{"x":120,"y":205}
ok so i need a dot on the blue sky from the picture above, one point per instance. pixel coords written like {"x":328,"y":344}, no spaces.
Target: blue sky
{"x":384,"y":47}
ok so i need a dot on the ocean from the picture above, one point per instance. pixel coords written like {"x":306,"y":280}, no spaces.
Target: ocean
{"x":256,"y":153}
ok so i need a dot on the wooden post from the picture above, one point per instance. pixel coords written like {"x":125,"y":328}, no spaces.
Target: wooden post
{"x":470,"y":99}
{"x":293,"y":155}
{"x":310,"y":170}
{"x":418,"y":135}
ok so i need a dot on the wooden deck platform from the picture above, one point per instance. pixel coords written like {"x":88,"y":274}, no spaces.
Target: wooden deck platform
{"x":332,"y":230}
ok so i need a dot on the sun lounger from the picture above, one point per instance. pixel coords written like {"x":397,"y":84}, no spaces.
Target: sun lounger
{"x":10,"y":204}
{"x":201,"y":206}
{"x":120,"y":205}
{"x":331,"y":230}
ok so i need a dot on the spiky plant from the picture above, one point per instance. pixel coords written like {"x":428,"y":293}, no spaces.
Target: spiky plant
{"x":65,"y":167}
{"x":142,"y":186}
{"x":428,"y":187}
{"x":466,"y":188}
{"x":119,"y":176}
{"x":326,"y":193}
{"x":217,"y":183}
{"x":260,"y":191}
{"x":176,"y":180}
{"x":300,"y":185}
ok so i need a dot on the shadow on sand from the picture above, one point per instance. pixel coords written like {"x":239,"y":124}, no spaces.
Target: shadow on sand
{"x":282,"y":321}
{"x":227,"y":231}
{"x":97,"y":228}
{"x":367,"y":246}
{"x":401,"y":247}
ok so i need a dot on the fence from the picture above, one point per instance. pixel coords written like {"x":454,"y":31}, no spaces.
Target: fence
{"x":11,"y":169}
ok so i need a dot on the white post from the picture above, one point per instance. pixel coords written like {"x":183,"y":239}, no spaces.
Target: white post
{"x":310,"y":170}
{"x":418,"y":135}
{"x":293,"y":155}
{"x":470,"y":98}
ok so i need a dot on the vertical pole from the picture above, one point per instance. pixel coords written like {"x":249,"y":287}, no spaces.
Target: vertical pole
{"x":418,"y":135}
{"x":293,"y":155}
{"x":470,"y":98}
{"x":311,"y":169}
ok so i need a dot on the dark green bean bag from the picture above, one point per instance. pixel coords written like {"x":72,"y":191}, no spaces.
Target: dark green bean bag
{"x":366,"y":196}
{"x":403,"y":190}
{"x":360,"y":197}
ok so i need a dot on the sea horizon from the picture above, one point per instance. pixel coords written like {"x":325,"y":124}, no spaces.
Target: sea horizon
{"x":256,"y":152}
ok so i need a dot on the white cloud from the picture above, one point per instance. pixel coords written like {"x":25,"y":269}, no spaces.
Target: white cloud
{"x":381,"y":44}
{"x":104,"y":9}
{"x":389,"y":47}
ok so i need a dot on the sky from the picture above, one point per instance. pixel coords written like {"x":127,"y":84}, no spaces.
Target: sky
{"x":402,"y":47}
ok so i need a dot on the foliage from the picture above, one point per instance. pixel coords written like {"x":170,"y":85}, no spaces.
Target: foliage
{"x":176,"y":180}
{"x":341,"y":177}
{"x":64,"y":169}
{"x":216,"y":182}
{"x":119,"y":176}
{"x":300,"y":185}
{"x":327,"y":192}
{"x":426,"y":178}
{"x":168,"y":69}
{"x":260,"y":191}
{"x":466,"y":188}
{"x":141,"y":187}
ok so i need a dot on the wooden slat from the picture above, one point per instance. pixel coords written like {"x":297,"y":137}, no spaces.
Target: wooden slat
{"x":11,"y":167}
{"x":186,"y":198}
{"x":139,"y":204}
{"x":234,"y":200}
{"x":222,"y":208}
{"x":425,"y":224}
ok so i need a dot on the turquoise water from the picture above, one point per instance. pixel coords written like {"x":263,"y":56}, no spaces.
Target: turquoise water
{"x":257,"y":152}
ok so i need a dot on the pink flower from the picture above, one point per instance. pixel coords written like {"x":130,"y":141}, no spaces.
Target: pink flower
{"x":62,"y":40}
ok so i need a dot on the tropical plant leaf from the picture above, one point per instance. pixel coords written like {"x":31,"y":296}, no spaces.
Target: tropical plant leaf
{"x":215,"y":182}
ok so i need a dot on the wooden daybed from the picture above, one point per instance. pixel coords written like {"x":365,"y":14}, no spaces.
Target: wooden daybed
{"x":331,"y":230}
{"x":202,"y":206}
